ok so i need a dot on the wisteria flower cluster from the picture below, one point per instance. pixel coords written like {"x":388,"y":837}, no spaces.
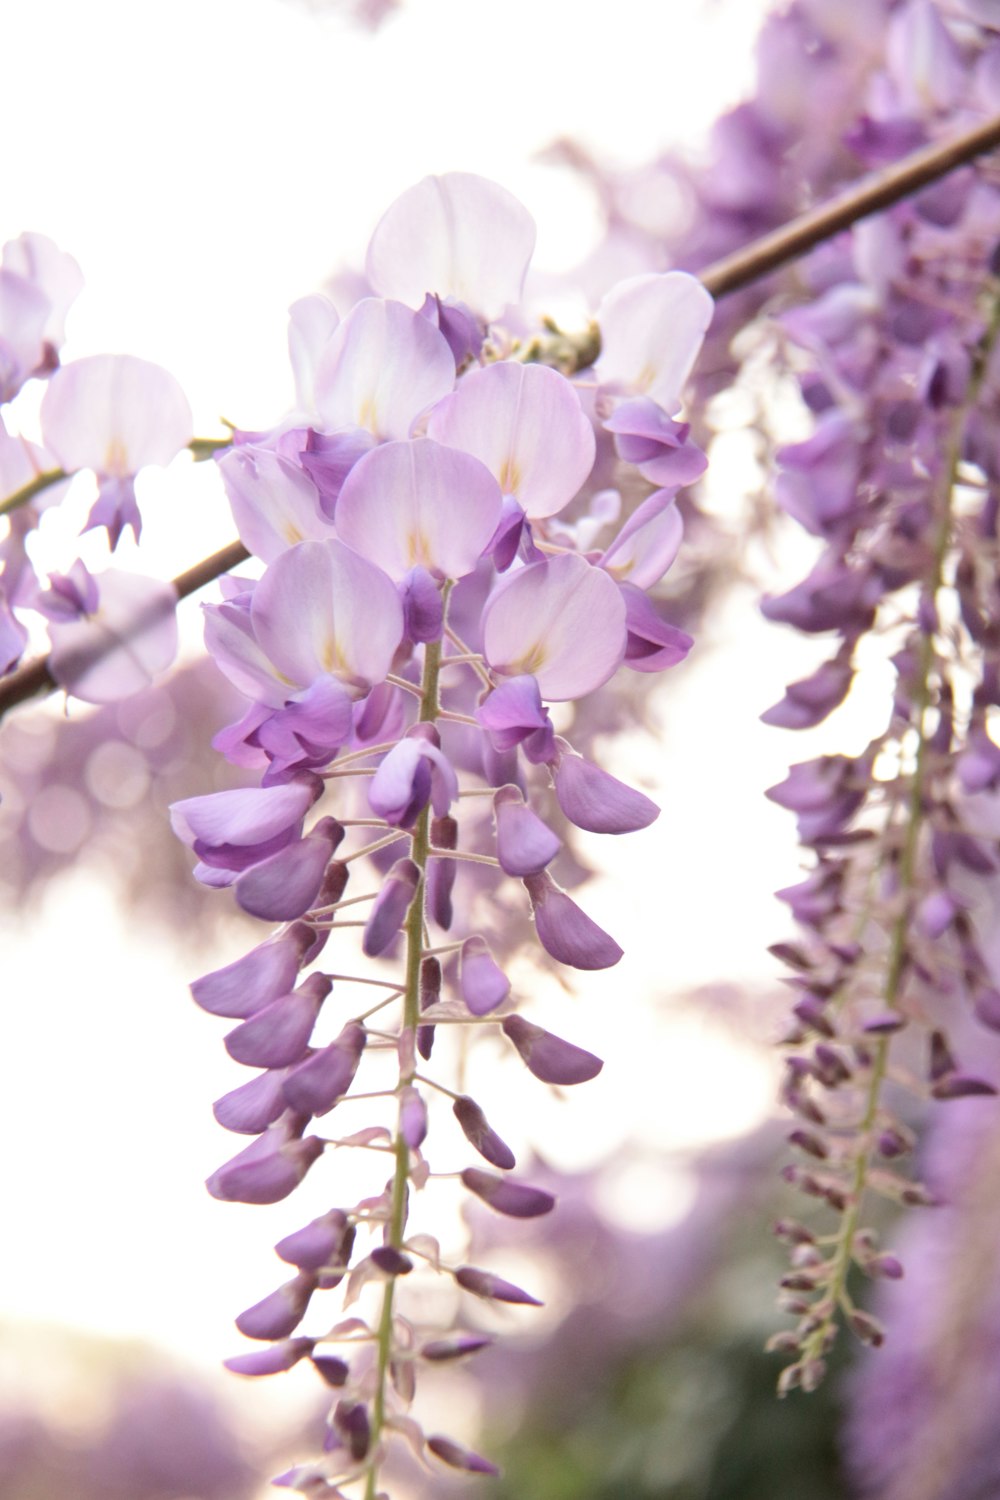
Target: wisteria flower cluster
{"x":896,"y":359}
{"x":424,"y":601}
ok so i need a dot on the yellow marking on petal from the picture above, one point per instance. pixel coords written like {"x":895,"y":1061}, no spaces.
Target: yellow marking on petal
{"x":530,"y":662}
{"x":368,"y":415}
{"x":116,"y":464}
{"x":292,"y":534}
{"x":330,"y":654}
{"x":510,"y":476}
{"x":645,"y":378}
{"x":418,"y":549}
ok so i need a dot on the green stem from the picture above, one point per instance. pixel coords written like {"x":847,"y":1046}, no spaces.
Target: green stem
{"x":420,"y":854}
{"x":202,"y":448}
{"x":31,"y":489}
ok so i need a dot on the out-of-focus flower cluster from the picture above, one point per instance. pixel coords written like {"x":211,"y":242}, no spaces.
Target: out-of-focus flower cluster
{"x":889,"y":333}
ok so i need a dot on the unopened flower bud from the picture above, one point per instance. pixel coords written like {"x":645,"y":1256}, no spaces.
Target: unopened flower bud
{"x":270,"y":1361}
{"x":483,"y":983}
{"x":279,"y":1314}
{"x":485,"y":1284}
{"x":477,"y":1131}
{"x":389,"y":909}
{"x":516,"y":1199}
{"x":549,"y":1057}
{"x":458,"y":1457}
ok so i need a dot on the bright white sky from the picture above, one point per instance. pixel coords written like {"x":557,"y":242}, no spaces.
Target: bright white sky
{"x":207,"y":162}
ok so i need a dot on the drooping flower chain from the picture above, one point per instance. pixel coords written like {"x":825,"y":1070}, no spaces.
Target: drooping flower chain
{"x":898,"y":480}
{"x":423,"y":600}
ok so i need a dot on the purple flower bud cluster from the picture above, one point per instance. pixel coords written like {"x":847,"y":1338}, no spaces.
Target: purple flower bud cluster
{"x":897,"y":362}
{"x":423,"y":602}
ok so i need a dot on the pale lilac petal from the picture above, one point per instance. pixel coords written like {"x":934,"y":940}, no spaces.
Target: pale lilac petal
{"x":401,"y":787}
{"x":118,"y":651}
{"x":514,"y":715}
{"x":323,"y":1242}
{"x":24,"y":312}
{"x":561,"y":621}
{"x":274,"y":504}
{"x":114,"y":414}
{"x":309,"y":729}
{"x":69,"y":595}
{"x":280,"y":1313}
{"x":483,"y":983}
{"x":413,"y":773}
{"x":457,"y":235}
{"x":478,"y":1133}
{"x":253,"y":1106}
{"x":312,"y":321}
{"x":321,"y":609}
{"x":594,"y":800}
{"x":924,"y":62}
{"x":254,"y":980}
{"x":423,"y":606}
{"x":328,"y":458}
{"x":230,"y":640}
{"x":418,"y":504}
{"x":548,"y":1057}
{"x":652,"y":327}
{"x":653,"y":644}
{"x":270,"y":1361}
{"x":389,"y":909}
{"x":315,"y":1085}
{"x":527,"y":425}
{"x":566,"y":932}
{"x":412,"y":1118}
{"x":525,"y":845}
{"x":506,"y":1196}
{"x":39,"y":260}
{"x":235,"y":858}
{"x":244,"y":815}
{"x":277,"y":1035}
{"x":284,"y":886}
{"x":648,"y":542}
{"x":381,"y":369}
{"x":268,"y":1169}
{"x":116,"y":508}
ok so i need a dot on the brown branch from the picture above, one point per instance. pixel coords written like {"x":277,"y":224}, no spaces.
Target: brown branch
{"x":35,"y":676}
{"x":872,"y":195}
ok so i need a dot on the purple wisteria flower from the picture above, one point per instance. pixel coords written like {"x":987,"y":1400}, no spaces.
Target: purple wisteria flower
{"x":115,"y":414}
{"x":423,"y":602}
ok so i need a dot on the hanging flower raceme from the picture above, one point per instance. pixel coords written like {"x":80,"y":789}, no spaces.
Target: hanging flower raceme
{"x":426,"y":488}
{"x":899,"y":365}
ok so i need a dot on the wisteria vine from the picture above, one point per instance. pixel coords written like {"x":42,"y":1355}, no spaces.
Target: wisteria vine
{"x":442,"y":552}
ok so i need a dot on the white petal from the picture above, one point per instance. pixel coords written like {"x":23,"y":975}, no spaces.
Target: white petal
{"x":652,"y":329}
{"x":119,"y":650}
{"x":114,"y":414}
{"x":458,"y":235}
{"x":527,"y":425}
{"x":418,"y":504}
{"x":275,"y":505}
{"x":383,"y":366}
{"x":561,"y":621}
{"x":321,"y":609}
